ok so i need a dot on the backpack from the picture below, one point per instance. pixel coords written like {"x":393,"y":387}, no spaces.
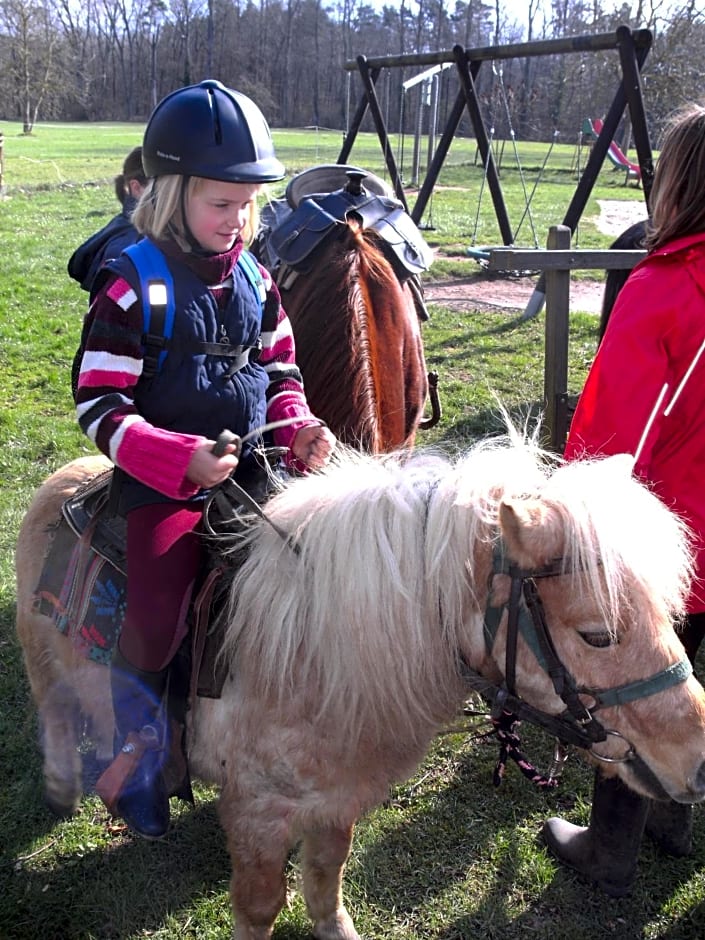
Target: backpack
{"x":158,"y":304}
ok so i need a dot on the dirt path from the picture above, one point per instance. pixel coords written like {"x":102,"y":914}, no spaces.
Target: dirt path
{"x":486,"y":290}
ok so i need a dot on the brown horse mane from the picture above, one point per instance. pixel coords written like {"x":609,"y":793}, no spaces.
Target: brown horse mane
{"x":352,"y":301}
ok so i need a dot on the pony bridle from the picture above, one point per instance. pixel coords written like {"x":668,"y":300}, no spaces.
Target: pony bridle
{"x":577,"y":725}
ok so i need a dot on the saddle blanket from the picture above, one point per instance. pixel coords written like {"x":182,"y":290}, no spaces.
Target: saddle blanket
{"x":83,"y":594}
{"x":83,"y":589}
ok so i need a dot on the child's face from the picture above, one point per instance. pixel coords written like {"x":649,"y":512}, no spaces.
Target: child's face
{"x":217,"y":212}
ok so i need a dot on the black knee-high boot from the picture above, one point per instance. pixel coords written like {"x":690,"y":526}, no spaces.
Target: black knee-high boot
{"x":142,"y":747}
{"x":668,"y":823}
{"x":607,"y":850}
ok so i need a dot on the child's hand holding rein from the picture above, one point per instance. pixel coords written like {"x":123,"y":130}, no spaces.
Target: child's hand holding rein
{"x":313,"y":445}
{"x":207,"y":470}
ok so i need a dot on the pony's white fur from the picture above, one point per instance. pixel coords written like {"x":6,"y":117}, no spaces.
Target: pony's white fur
{"x":343,"y":643}
{"x":408,"y":529}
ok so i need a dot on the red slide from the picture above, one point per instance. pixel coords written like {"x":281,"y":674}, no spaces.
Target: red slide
{"x":614,"y":152}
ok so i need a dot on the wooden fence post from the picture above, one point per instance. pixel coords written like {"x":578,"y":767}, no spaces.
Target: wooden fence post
{"x":555,"y":388}
{"x":557,"y":261}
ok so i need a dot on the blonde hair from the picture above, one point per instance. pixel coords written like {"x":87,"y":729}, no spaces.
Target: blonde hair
{"x":159,"y":212}
{"x":678,"y":193}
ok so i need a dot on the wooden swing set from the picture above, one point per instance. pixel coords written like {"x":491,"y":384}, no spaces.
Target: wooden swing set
{"x":632,"y":46}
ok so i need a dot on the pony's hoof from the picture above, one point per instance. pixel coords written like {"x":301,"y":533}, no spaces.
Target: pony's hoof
{"x":338,"y":926}
{"x":60,"y":808}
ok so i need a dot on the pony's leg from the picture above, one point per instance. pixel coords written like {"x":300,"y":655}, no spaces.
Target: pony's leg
{"x":48,"y":655}
{"x":91,"y":681}
{"x":57,"y":707}
{"x":323,"y":855}
{"x":64,"y":691}
{"x":59,"y":727}
{"x":258,"y":848}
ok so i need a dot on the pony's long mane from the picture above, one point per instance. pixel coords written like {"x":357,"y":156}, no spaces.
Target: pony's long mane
{"x":353,"y":305}
{"x":367,"y":606}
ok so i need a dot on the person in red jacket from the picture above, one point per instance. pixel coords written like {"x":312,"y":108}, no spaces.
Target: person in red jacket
{"x":645,"y":396}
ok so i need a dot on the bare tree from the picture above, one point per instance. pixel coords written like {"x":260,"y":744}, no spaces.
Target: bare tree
{"x":33,"y":39}
{"x":676,"y":73}
{"x":155,"y":14}
{"x":124,"y":18}
{"x":114,"y":59}
{"x":187,"y":18}
{"x":78,"y":24}
{"x":527,"y":92}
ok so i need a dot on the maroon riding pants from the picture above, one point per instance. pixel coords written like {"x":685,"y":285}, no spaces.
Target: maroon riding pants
{"x":164,"y":555}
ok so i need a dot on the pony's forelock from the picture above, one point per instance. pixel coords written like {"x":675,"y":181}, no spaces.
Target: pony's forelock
{"x":612,"y":524}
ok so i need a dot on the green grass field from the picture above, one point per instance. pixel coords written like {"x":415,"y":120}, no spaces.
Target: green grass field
{"x":448,"y":857}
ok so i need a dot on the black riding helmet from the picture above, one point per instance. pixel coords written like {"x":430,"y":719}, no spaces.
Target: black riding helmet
{"x":211,"y":131}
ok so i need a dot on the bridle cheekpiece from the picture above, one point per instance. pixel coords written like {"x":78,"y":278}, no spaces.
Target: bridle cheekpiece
{"x":577,"y":725}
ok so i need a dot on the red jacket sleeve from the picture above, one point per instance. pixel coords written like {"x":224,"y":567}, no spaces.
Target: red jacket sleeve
{"x":631,"y":367}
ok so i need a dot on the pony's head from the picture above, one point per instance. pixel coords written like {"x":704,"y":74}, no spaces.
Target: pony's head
{"x":612,"y":568}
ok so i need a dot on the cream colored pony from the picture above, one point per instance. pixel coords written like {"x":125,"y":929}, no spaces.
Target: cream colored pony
{"x":349,"y":644}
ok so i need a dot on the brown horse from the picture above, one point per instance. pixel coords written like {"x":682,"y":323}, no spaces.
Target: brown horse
{"x":399,"y":587}
{"x":353,"y":305}
{"x":365,"y":375}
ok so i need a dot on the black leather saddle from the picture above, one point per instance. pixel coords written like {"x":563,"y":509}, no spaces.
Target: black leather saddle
{"x":293,"y":228}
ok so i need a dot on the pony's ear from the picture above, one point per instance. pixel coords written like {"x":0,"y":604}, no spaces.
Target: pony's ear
{"x":531,"y":530}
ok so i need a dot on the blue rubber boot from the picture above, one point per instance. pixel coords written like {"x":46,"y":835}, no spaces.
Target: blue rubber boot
{"x":141,"y":747}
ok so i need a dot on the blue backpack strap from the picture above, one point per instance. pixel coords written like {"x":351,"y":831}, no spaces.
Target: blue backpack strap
{"x":158,"y":305}
{"x":250,"y":268}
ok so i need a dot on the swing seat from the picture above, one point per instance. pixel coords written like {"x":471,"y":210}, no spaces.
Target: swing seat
{"x":479,"y":254}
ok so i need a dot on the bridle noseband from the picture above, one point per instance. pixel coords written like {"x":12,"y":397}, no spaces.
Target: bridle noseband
{"x":577,"y":725}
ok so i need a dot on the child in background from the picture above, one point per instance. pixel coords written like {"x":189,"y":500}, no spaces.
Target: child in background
{"x":630,"y":239}
{"x":107,"y":243}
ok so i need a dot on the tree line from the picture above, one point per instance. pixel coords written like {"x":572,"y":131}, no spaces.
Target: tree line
{"x":112,"y":60}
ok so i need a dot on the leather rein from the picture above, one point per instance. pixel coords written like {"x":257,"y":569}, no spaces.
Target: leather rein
{"x":577,"y":725}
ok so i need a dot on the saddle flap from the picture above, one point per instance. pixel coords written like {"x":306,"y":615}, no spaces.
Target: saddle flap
{"x":87,"y":513}
{"x":301,"y":233}
{"x":398,"y":230}
{"x":273,"y":214}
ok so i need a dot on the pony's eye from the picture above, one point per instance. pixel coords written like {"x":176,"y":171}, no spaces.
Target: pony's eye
{"x":599,"y":640}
